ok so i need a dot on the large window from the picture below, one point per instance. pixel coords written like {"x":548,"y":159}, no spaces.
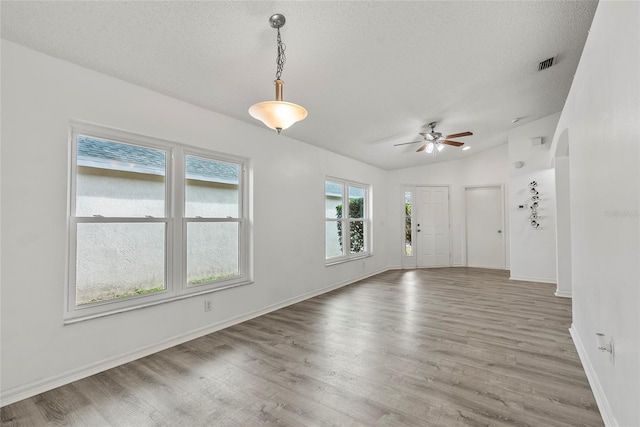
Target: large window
{"x":151,"y":221}
{"x":346,"y":220}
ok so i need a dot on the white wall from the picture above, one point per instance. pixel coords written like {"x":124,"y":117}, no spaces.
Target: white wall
{"x":485,"y":168}
{"x":39,"y":96}
{"x":533,"y":251}
{"x":563,"y":227}
{"x":600,"y":118}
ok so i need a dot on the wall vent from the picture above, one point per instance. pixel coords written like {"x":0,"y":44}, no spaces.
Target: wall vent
{"x":545,"y":64}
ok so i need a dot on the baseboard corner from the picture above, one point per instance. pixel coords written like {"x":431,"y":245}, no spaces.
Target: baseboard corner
{"x":596,"y":387}
{"x":563,"y":294}
{"x":533,"y":279}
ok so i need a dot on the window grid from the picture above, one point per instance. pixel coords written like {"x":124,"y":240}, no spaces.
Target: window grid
{"x":347,"y":233}
{"x":175,"y":254}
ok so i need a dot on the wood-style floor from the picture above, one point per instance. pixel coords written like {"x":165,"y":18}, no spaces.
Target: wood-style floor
{"x":436,"y":347}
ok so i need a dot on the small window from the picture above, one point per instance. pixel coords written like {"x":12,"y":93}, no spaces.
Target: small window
{"x":408,"y":230}
{"x":151,"y":221}
{"x":346,"y":220}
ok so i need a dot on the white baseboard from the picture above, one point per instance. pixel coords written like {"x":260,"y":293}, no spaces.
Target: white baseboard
{"x":596,"y":388}
{"x":28,"y":390}
{"x":563,"y":294}
{"x":533,"y":279}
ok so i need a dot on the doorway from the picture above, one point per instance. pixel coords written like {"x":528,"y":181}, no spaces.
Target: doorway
{"x":484,"y":233}
{"x":431,"y":216}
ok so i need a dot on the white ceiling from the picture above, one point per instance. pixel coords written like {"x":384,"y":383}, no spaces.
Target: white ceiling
{"x":371,"y":74}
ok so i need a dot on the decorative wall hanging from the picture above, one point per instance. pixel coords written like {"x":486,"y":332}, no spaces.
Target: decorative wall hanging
{"x":535,"y":202}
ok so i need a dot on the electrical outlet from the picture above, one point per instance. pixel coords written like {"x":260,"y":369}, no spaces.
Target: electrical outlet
{"x":207,"y":305}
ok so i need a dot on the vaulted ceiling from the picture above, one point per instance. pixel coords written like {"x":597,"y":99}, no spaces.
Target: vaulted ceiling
{"x":371,"y":73}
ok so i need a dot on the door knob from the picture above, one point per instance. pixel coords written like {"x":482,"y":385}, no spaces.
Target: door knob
{"x":499,"y":231}
{"x":418,"y":231}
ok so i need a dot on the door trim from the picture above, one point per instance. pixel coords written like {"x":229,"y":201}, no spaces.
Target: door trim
{"x":502,"y":221}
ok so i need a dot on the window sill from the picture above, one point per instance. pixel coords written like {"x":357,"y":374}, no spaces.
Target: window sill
{"x":337,"y":261}
{"x":75,"y":318}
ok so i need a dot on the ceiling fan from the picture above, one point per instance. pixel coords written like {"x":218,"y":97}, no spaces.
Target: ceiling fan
{"x":434,"y":141}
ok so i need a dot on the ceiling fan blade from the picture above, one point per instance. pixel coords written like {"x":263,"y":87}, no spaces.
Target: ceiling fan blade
{"x":422,"y":147}
{"x":458,"y":135}
{"x":405,"y":143}
{"x":454,"y":143}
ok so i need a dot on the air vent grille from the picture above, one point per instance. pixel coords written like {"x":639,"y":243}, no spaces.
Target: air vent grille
{"x":545,"y":64}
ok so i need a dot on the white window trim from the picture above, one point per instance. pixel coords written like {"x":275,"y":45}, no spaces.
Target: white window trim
{"x":176,"y":223}
{"x":367,"y":205}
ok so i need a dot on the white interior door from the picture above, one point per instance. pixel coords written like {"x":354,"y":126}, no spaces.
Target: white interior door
{"x":432,"y":226}
{"x":484,"y":227}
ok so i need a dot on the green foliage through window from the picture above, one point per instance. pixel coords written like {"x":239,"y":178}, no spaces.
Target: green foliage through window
{"x":356,"y":228}
{"x":407,"y":222}
{"x":407,"y":229}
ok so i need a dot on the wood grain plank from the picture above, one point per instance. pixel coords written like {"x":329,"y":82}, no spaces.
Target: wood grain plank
{"x":426,"y":347}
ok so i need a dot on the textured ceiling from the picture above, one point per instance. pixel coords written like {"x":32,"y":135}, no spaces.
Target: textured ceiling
{"x":371,"y":74}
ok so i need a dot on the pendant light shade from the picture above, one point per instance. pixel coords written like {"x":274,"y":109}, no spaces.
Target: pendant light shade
{"x":278,"y":115}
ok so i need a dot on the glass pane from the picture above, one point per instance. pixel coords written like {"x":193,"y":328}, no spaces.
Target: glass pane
{"x":333,"y":193}
{"x":356,"y":202}
{"x":333,"y":239}
{"x":119,"y":260}
{"x":356,"y":234}
{"x":408,"y":244}
{"x":212,"y":188}
{"x":407,"y":224}
{"x":212,"y":251}
{"x":119,"y":180}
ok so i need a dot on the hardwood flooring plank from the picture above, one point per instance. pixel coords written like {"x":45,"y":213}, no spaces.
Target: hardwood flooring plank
{"x":428,"y":347}
{"x":23,"y":413}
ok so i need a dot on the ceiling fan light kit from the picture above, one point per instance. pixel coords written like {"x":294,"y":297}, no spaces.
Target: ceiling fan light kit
{"x":278,"y":115}
{"x":434,"y":142}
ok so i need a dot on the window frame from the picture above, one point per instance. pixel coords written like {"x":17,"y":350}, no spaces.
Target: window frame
{"x":347,"y":221}
{"x":241,"y":220}
{"x":175,"y":253}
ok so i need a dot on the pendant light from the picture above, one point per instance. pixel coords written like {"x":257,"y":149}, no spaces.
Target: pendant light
{"x":278,"y":115}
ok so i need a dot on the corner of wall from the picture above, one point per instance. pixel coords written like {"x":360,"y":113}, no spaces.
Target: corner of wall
{"x":598,"y":392}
